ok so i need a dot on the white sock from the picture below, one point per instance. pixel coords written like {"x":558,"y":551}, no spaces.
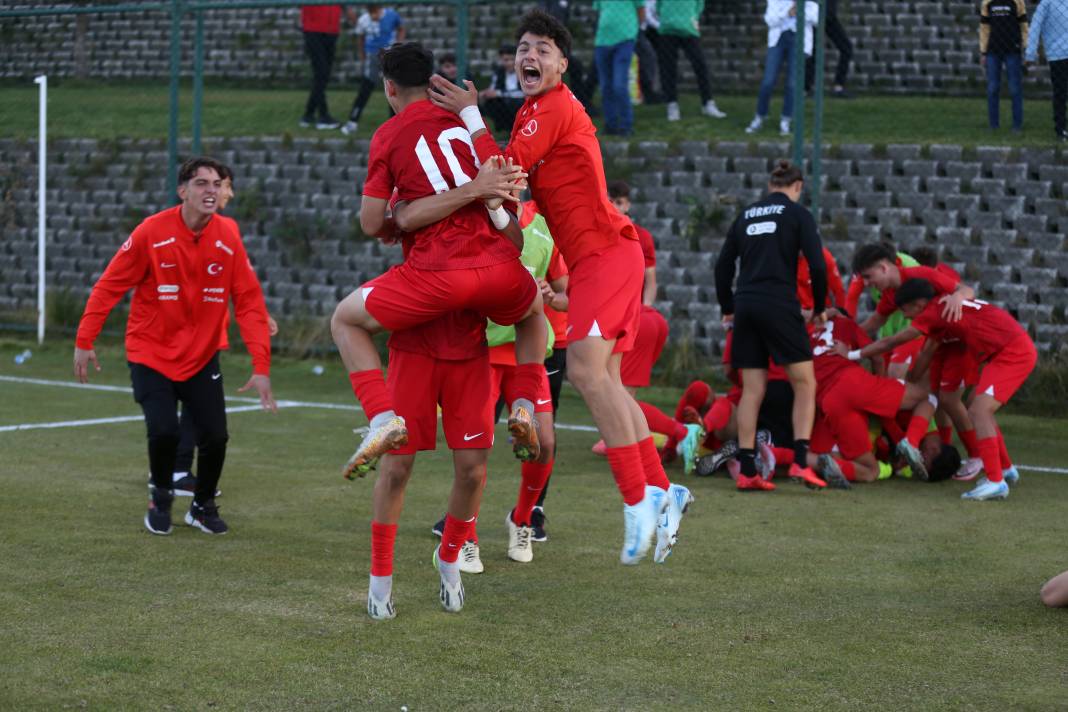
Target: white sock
{"x":450,"y":571}
{"x":381,"y":587}
{"x":382,"y":418}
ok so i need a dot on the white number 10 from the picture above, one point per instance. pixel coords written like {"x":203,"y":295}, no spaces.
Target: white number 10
{"x":430,"y":166}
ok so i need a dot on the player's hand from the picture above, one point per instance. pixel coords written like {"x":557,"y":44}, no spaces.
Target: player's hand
{"x":547,"y":292}
{"x":952,"y":306}
{"x":82,"y":357}
{"x":262,"y":384}
{"x":841,"y":348}
{"x":818,"y":320}
{"x":450,"y":97}
{"x":272,"y":325}
{"x":498,"y":180}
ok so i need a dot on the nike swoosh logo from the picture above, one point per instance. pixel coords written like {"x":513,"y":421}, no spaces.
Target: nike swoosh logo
{"x":543,"y":402}
{"x":549,"y":373}
{"x":164,"y":265}
{"x":216,"y":376}
{"x":468,"y":438}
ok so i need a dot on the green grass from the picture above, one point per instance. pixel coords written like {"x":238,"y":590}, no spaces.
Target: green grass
{"x":892,"y":596}
{"x":140,"y":110}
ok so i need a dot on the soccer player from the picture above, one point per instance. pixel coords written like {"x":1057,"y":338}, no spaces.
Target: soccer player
{"x":997,"y":341}
{"x":456,"y":263}
{"x":186,"y":265}
{"x":554,"y":141}
{"x":764,"y":311}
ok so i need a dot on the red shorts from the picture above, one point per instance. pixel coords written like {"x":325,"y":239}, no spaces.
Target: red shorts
{"x":637,"y":364}
{"x":822,"y":440}
{"x":405,"y":297}
{"x":605,"y":295}
{"x":906,"y":353}
{"x":953,"y":366}
{"x":501,"y":374}
{"x":853,"y":397}
{"x":1003,"y":375}
{"x":418,"y":384}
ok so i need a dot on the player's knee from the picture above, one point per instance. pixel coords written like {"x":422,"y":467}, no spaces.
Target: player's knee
{"x":164,"y":436}
{"x":470,"y":476}
{"x":547,"y":443}
{"x":215,"y":440}
{"x":1052,"y":596}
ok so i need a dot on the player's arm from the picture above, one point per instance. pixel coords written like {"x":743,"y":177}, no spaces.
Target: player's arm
{"x":953,"y":303}
{"x":554,"y":293}
{"x":812,"y":248}
{"x":922,"y":362}
{"x":496,"y":180}
{"x":375,"y":218}
{"x":250,"y":312}
{"x":873,"y":323}
{"x":649,"y":287}
{"x":879,"y":347}
{"x":724,"y":273}
{"x":853,"y":295}
{"x":834,"y":281}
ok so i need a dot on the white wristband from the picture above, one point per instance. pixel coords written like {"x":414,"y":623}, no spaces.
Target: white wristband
{"x":854,"y":355}
{"x":472,"y":119}
{"x":499,"y":217}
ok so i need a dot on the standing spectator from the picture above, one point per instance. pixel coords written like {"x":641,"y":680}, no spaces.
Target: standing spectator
{"x":1002,"y":37}
{"x":680,"y":29}
{"x":781,"y":19}
{"x":581,"y":82}
{"x":321,"y":25}
{"x":502,"y":99}
{"x":617,"y":30}
{"x":1050,"y":25}
{"x":376,"y":29}
{"x":647,"y":47}
{"x":838,"y":37}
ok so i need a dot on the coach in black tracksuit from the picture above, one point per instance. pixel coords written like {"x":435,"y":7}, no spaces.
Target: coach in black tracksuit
{"x":764,"y":311}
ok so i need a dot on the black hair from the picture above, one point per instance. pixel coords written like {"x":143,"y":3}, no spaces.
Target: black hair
{"x":618,"y":189}
{"x":785,"y":174}
{"x":190,"y":168}
{"x":926,"y":256}
{"x":226,"y":173}
{"x":506,"y":48}
{"x":868,"y":255}
{"x":542,"y":24}
{"x":408,"y":65}
{"x":912,"y":290}
{"x":449,"y":57}
{"x":944,"y":465}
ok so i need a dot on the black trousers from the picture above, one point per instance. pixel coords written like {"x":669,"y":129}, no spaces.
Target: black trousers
{"x":202,"y":396}
{"x":668,"y":57}
{"x":1058,"y":77}
{"x":320,"y":48}
{"x":837,"y":35}
{"x":187,"y":443}
{"x":648,"y":64}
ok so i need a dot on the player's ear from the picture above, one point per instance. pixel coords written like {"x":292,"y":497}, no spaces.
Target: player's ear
{"x":563,"y":64}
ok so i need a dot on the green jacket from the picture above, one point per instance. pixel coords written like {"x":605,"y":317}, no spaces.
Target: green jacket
{"x":617,"y":21}
{"x":537,"y":253}
{"x":680,"y":17}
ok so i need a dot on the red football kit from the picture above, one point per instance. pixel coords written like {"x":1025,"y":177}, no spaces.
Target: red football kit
{"x":942,"y":277}
{"x":834,"y":282}
{"x":457,"y":263}
{"x":183,"y":285}
{"x":645,"y":239}
{"x":555,"y":142}
{"x":993,"y":337}
{"x":637,"y":365}
{"x":321,"y":18}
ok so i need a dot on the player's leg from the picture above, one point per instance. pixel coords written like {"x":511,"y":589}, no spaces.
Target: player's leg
{"x":203,"y":395}
{"x":184,"y":480}
{"x":754,"y":386}
{"x":556,"y":370}
{"x":464,"y":502}
{"x":803,"y":381}
{"x":388,"y":500}
{"x":156,"y":395}
{"x":531,"y":336}
{"x":1055,"y":591}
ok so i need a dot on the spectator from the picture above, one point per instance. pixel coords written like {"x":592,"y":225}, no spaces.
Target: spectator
{"x":321,"y":25}
{"x":617,"y":30}
{"x":1002,"y":35}
{"x":1050,"y":25}
{"x":377,"y":28}
{"x":502,"y":99}
{"x":781,"y":19}
{"x":680,"y":29}
{"x":448,"y":68}
{"x":580,"y":82}
{"x":647,"y":47}
{"x":838,"y":37}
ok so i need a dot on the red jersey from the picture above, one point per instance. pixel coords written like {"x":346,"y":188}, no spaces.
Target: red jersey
{"x":830,"y":366}
{"x":942,"y":277}
{"x":321,"y":18}
{"x":422,"y":151}
{"x":456,"y":336}
{"x":983,"y":328}
{"x":555,"y":142}
{"x":645,"y":239}
{"x":183,"y":285}
{"x":834,"y":282}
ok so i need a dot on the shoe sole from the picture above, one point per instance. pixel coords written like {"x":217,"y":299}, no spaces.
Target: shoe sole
{"x":197,"y":525}
{"x":830,"y":471}
{"x":156,"y":531}
{"x":660,"y":556}
{"x":985,"y":499}
{"x":390,"y":611}
{"x":915,"y":460}
{"x":363,"y":462}
{"x":524,"y":438}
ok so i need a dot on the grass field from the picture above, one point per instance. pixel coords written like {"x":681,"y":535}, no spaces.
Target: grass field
{"x":140,"y":110}
{"x":891,"y":596}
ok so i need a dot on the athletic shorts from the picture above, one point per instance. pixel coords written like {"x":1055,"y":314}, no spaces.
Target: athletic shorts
{"x":637,"y":364}
{"x":419,"y":383}
{"x":953,"y":366}
{"x":405,"y":297}
{"x":822,"y":440}
{"x":768,"y":329}
{"x":851,"y":399}
{"x":604,"y":294}
{"x":500,"y":375}
{"x":1003,"y":375}
{"x":906,"y":353}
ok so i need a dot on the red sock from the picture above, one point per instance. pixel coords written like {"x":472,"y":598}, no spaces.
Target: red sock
{"x":971,"y":442}
{"x":382,"y":538}
{"x":626,"y":465}
{"x":917,"y":429}
{"x":472,"y":535}
{"x":893,"y":430}
{"x":696,"y":396}
{"x":456,"y":534}
{"x":533,"y":478}
{"x":848,"y":469}
{"x":991,"y":454}
{"x":660,"y":422}
{"x":370,"y":389}
{"x":526,"y":383}
{"x":718,"y":415}
{"x":945,"y":432}
{"x":1003,"y":452}
{"x":783,"y":455}
{"x":654,"y":469}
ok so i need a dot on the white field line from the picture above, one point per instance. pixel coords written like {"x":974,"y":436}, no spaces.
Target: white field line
{"x":101,"y":421}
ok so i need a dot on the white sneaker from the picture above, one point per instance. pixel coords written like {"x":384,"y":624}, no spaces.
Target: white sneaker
{"x":349,"y":128}
{"x":520,"y":538}
{"x":470,"y":563}
{"x":784,"y":127}
{"x":915,"y":459}
{"x":450,"y":595}
{"x":388,"y":435}
{"x":969,"y":469}
{"x":710,"y":109}
{"x":755,"y":125}
{"x":673,"y":113}
{"x":667,"y":529}
{"x":380,"y":610}
{"x":986,"y":489}
{"x":639,"y":524}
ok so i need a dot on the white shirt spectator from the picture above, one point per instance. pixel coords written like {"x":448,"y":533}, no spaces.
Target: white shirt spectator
{"x":778,"y":19}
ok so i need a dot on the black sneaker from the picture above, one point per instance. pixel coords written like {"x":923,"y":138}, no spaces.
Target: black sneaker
{"x":439,"y":528}
{"x":205,"y":517}
{"x":158,"y":517}
{"x":537,"y":523}
{"x":712,"y":462}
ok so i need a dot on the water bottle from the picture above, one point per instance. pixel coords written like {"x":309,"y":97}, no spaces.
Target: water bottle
{"x":23,"y":357}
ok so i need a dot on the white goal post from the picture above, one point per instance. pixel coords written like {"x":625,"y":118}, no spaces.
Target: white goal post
{"x":42,"y":154}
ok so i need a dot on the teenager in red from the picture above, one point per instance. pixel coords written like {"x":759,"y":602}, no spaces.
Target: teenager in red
{"x":554,"y":141}
{"x":186,"y":265}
